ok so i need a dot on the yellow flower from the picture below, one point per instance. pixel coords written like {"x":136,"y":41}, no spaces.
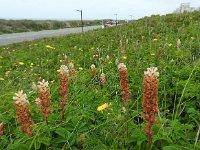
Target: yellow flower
{"x":124,"y":57}
{"x":102,"y":107}
{"x":155,"y":39}
{"x":21,"y":63}
{"x":169,"y":44}
{"x":80,"y":68}
{"x":152,"y":54}
{"x":1,"y":79}
{"x":48,"y":46}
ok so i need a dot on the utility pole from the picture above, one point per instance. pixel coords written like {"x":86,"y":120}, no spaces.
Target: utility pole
{"x":81,"y":18}
{"x":131,"y":17}
{"x":116,"y":18}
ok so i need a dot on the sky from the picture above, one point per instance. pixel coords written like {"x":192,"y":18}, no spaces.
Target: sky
{"x":92,"y":9}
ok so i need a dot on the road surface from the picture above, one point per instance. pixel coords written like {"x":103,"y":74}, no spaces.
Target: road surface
{"x":6,"y":39}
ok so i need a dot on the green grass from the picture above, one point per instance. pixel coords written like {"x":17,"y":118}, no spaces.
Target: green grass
{"x":86,"y":128}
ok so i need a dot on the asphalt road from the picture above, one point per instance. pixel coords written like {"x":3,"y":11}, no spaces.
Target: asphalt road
{"x":6,"y":39}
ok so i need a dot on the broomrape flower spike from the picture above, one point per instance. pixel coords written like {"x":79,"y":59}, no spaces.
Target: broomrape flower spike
{"x":93,"y":71}
{"x":178,"y":44}
{"x":23,"y":112}
{"x":1,"y":129}
{"x":72,"y":71}
{"x":124,"y":81}
{"x":102,"y":79}
{"x":44,"y":98}
{"x":150,"y":99}
{"x":64,"y":87}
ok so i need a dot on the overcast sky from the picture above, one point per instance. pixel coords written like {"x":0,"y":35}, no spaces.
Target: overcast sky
{"x":92,"y":9}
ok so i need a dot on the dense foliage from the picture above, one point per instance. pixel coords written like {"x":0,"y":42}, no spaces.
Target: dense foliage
{"x":152,"y":42}
{"x":14,"y":26}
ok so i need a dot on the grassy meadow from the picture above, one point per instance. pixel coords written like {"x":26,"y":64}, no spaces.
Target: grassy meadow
{"x":148,"y":42}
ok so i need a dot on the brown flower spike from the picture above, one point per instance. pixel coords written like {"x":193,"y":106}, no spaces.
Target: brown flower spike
{"x":121,"y":46}
{"x":23,"y":112}
{"x":102,"y":80}
{"x":44,"y":99}
{"x":64,"y":87}
{"x":150,"y":99}
{"x":1,"y":129}
{"x":93,"y":71}
{"x":123,"y":74}
{"x":72,"y":71}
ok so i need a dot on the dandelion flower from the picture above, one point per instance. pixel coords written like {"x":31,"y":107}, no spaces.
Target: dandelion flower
{"x":80,"y":68}
{"x":103,"y":107}
{"x":21,"y":63}
{"x":50,"y":47}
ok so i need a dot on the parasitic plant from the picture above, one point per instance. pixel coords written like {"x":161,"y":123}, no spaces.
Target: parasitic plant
{"x":72,"y":71}
{"x":44,"y":100}
{"x":150,"y":99}
{"x":102,"y":80}
{"x":23,"y":112}
{"x":1,"y":129}
{"x":123,"y":74}
{"x":64,"y":87}
{"x":93,"y":71}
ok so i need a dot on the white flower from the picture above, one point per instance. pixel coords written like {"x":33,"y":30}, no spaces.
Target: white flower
{"x":122,"y":66}
{"x":92,"y":66}
{"x":152,"y":71}
{"x":43,"y":84}
{"x":71,"y":65}
{"x":20,"y":97}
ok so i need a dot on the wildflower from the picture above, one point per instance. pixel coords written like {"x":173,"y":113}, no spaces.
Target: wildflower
{"x":64,"y":87}
{"x":103,"y":107}
{"x":65,"y":59}
{"x":80,"y":68}
{"x":152,"y":54}
{"x":169,"y":44}
{"x":123,"y":74}
{"x":102,"y":79}
{"x":93,"y":71}
{"x":116,"y":61}
{"x":192,"y":38}
{"x":121,"y":46}
{"x":160,"y":51}
{"x":150,"y":99}
{"x":124,"y":57}
{"x":50,"y":47}
{"x":155,"y":40}
{"x":178,"y":43}
{"x":23,"y":112}
{"x":1,"y":79}
{"x":107,"y":57}
{"x":72,"y":71}
{"x":44,"y":98}
{"x":1,"y":129}
{"x":126,"y":43}
{"x":34,"y":87}
{"x":21,"y":63}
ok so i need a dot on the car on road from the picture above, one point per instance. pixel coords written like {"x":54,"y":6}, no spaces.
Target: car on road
{"x":110,"y":23}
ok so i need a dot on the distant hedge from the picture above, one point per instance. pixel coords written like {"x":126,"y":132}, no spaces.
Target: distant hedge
{"x":14,"y":26}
